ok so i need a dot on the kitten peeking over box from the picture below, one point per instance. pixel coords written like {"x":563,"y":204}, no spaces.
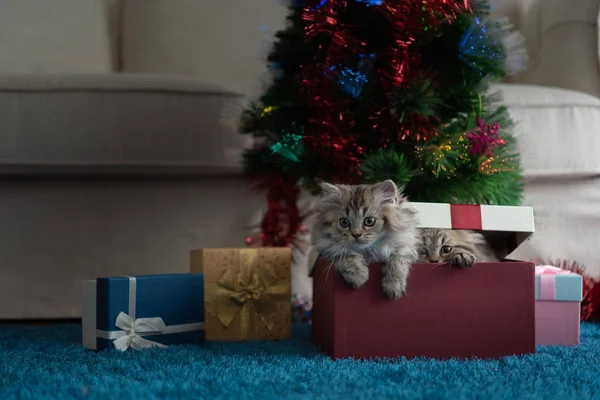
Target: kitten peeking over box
{"x":395,"y":278}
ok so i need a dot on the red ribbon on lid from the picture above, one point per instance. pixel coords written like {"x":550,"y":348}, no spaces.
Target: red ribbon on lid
{"x":466,"y":216}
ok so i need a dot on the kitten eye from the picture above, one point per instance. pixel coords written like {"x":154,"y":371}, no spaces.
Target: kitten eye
{"x":369,"y":221}
{"x":344,"y":222}
{"x":445,"y":249}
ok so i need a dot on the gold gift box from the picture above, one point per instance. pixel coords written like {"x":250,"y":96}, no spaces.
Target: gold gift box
{"x":247,"y":292}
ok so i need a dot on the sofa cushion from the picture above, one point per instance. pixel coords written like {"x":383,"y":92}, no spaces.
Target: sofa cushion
{"x":116,"y":123}
{"x":223,"y":42}
{"x":58,"y":36}
{"x":556,"y":129}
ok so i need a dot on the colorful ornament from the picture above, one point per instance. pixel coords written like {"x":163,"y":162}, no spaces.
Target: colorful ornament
{"x":352,"y":81}
{"x":321,"y":4}
{"x":477,"y":47}
{"x":485,"y":140}
{"x":370,"y":2}
{"x":290,"y":146}
{"x":491,"y":166}
{"x":267,"y":110}
{"x":443,"y":158}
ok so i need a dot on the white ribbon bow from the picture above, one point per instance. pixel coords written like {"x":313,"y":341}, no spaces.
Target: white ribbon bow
{"x":132,"y":329}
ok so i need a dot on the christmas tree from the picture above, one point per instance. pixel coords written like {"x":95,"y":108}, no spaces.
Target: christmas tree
{"x":368,"y":90}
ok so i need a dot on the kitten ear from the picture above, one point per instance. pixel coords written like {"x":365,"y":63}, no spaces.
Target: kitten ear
{"x":329,"y":191}
{"x":387,"y":192}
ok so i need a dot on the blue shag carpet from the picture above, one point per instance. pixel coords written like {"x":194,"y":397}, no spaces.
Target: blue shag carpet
{"x":49,"y":363}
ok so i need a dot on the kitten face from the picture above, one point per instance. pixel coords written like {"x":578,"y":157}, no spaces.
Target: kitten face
{"x":356,"y":216}
{"x":356,"y":225}
{"x":436,"y":246}
{"x":441,"y":245}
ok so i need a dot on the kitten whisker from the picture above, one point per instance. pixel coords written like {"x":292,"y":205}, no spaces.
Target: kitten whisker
{"x":335,"y":255}
{"x":435,"y":265}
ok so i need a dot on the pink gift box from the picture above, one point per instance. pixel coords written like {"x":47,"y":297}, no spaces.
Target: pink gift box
{"x":557,"y":307}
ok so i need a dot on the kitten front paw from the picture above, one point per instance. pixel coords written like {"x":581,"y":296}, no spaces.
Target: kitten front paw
{"x":394,"y":288}
{"x":356,"y":277}
{"x":354,"y":270}
{"x":463,"y":260}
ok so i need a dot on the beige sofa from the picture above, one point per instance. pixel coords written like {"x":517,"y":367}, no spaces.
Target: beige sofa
{"x":118,"y":154}
{"x":118,"y":149}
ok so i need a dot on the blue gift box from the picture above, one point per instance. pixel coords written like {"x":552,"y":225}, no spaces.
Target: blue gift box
{"x":143,"y":311}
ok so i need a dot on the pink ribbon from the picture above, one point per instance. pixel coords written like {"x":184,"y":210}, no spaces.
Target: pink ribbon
{"x":547,"y":275}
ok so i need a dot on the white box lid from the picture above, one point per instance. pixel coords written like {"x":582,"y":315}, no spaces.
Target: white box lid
{"x":510,"y":224}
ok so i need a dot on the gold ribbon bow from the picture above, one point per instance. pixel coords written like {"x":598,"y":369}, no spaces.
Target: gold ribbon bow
{"x":253,"y":291}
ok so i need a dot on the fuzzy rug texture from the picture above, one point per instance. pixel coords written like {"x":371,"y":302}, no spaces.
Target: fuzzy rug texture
{"x":49,"y":363}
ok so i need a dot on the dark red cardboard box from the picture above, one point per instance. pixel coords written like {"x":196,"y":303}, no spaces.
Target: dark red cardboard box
{"x":485,"y":311}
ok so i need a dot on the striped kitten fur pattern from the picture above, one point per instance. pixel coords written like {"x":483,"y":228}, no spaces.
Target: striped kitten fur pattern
{"x":356,"y":225}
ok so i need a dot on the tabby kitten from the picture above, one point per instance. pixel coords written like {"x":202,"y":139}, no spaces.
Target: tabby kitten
{"x":363,"y":224}
{"x":457,"y":247}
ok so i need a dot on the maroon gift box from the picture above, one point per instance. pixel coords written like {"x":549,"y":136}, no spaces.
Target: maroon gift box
{"x":485,"y":311}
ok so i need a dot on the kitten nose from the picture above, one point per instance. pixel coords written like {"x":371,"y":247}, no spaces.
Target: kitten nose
{"x":356,"y":235}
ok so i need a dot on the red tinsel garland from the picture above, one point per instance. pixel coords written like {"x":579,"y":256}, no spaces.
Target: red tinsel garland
{"x":411,"y":20}
{"x":590,"y":304}
{"x":399,"y":66}
{"x":282,"y":220}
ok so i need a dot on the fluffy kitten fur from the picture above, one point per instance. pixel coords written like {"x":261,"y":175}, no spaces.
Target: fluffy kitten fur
{"x":457,"y":247}
{"x":358,"y":225}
